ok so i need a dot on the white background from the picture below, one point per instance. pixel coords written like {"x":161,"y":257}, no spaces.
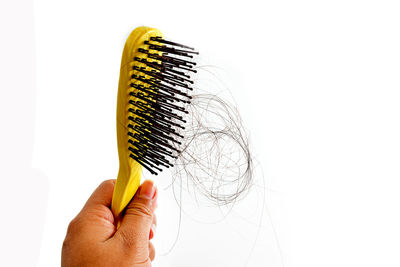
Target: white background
{"x":317,"y":84}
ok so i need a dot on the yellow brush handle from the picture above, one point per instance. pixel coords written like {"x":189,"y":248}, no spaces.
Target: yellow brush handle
{"x":130,"y":170}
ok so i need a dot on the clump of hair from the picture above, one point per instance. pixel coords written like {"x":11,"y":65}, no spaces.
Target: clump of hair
{"x":215,"y":158}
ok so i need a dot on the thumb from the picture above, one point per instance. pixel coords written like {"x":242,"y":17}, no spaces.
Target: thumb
{"x":136,"y":223}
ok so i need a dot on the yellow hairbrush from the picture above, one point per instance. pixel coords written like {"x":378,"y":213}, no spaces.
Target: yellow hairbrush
{"x":154,"y":86}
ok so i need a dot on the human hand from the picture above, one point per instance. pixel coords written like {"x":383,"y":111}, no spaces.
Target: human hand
{"x":93,"y":239}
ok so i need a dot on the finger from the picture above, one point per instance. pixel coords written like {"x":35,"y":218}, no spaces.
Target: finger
{"x":102,"y":195}
{"x":152,"y":251}
{"x":96,"y":218}
{"x":99,"y":202}
{"x":138,"y":218}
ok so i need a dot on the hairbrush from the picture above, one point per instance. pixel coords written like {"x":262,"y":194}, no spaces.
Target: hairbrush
{"x":154,"y":88}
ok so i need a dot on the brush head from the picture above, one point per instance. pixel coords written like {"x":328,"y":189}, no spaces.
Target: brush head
{"x":160,"y":88}
{"x":154,"y":88}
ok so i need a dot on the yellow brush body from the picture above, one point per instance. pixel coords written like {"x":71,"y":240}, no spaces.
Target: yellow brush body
{"x":130,"y":170}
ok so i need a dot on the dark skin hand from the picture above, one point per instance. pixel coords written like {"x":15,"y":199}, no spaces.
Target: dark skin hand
{"x":93,"y":239}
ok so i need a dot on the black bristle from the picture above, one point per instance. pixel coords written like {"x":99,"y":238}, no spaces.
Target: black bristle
{"x":161,"y":40}
{"x":160,"y":89}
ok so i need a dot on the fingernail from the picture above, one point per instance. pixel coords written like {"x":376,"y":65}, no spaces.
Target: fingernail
{"x":155,"y":193}
{"x":152,"y":231}
{"x":147,"y":189}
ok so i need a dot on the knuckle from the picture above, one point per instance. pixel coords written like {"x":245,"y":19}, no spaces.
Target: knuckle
{"x":139,"y":209}
{"x":108,"y":182}
{"x":74,"y":226}
{"x":66,"y":243}
{"x":72,"y":230}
